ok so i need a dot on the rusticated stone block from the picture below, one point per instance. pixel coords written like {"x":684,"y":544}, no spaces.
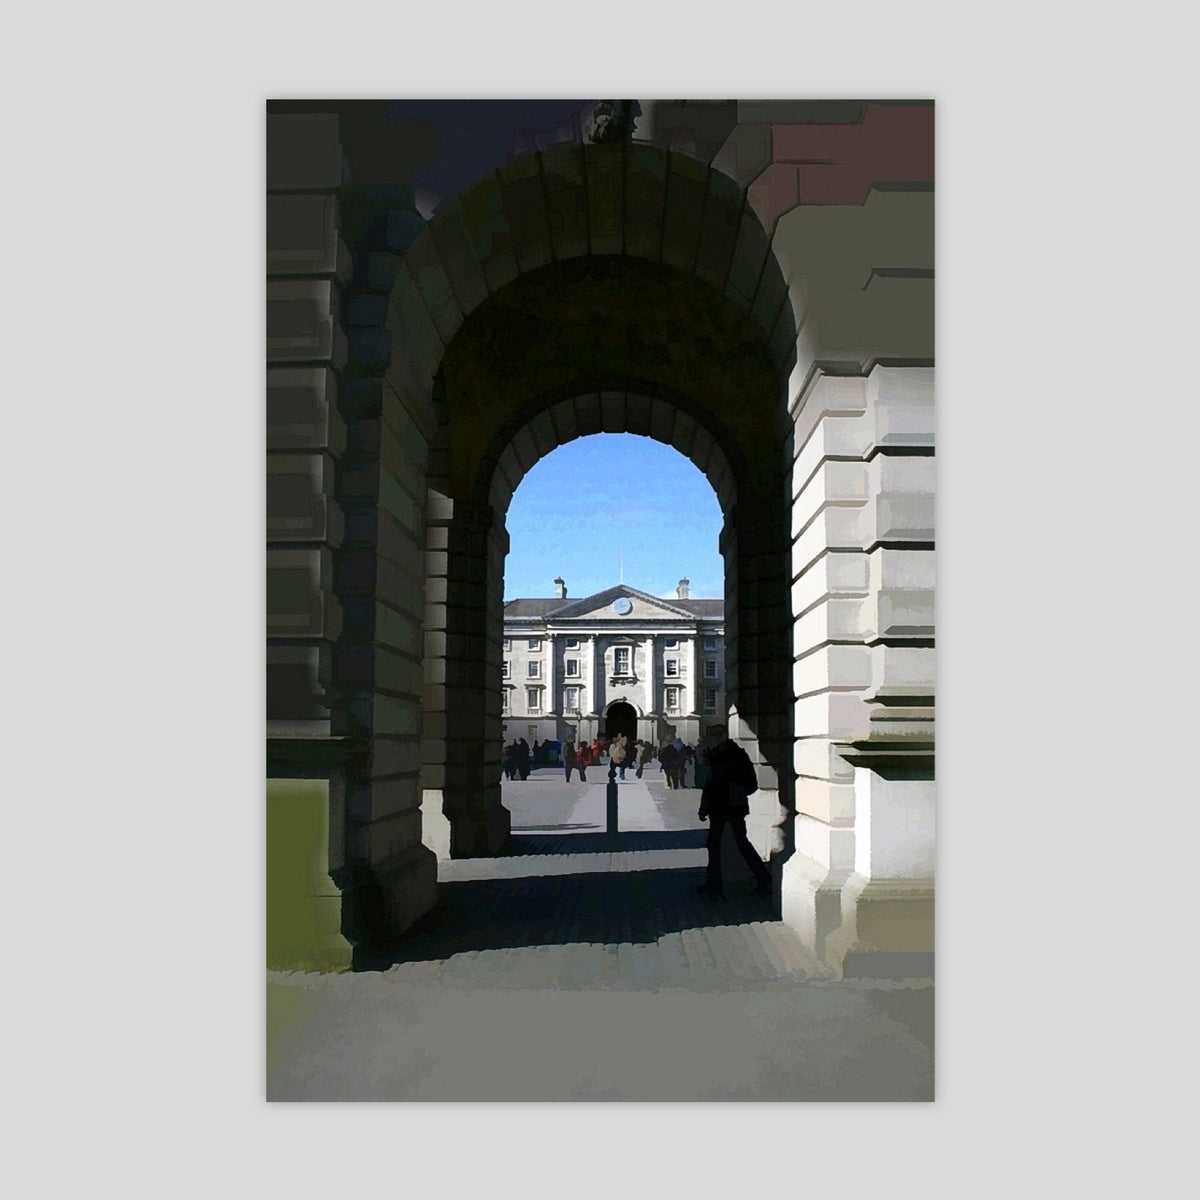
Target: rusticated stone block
{"x":302,"y":409}
{"x":302,"y":235}
{"x":835,"y":620}
{"x":394,"y":715}
{"x":832,"y":528}
{"x":297,"y":681}
{"x":825,"y":801}
{"x":687,"y":185}
{"x":299,"y":603}
{"x":566,"y":200}
{"x":832,"y":667}
{"x":745,"y":268}
{"x":301,"y":322}
{"x":428,"y":274}
{"x":525,"y":211}
{"x":902,"y":671}
{"x":834,"y":437}
{"x":645,"y":197}
{"x":303,"y":152}
{"x":829,"y":576}
{"x":720,"y":226}
{"x":820,"y":758}
{"x":605,"y":182}
{"x":612,"y":412}
{"x":838,"y":715}
{"x":745,"y":154}
{"x":395,"y":756}
{"x":298,"y":504}
{"x":834,"y":482}
{"x":823,"y":843}
{"x":462,"y":268}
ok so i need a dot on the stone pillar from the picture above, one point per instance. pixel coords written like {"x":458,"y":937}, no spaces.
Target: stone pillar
{"x":307,"y":730}
{"x":756,"y":682}
{"x":859,"y":886}
{"x":388,"y":875}
{"x":464,"y":634}
{"x":652,"y":708}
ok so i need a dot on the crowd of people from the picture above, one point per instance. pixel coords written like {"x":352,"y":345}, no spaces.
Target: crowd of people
{"x":682,"y":764}
{"x":721,"y":769}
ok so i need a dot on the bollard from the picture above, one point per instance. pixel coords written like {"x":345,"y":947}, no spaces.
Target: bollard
{"x":611,"y":821}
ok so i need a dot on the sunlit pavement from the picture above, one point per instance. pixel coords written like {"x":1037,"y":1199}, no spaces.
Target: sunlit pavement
{"x":585,"y":966}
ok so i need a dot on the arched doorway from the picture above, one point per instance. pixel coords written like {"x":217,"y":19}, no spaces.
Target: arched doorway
{"x":619,"y":289}
{"x":621,"y":718}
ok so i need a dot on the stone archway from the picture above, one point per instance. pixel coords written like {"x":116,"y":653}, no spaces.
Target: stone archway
{"x":704,"y":308}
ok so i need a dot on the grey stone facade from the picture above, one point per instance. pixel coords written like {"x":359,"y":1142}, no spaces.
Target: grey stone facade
{"x":574,"y":668}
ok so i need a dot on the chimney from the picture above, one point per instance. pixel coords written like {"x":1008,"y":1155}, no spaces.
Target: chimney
{"x":681,"y":592}
{"x":560,"y":589}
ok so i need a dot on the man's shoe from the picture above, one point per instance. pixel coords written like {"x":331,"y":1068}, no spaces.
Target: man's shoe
{"x":705,"y":890}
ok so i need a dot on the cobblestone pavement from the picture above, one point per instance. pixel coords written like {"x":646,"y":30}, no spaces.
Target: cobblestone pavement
{"x":585,"y":966}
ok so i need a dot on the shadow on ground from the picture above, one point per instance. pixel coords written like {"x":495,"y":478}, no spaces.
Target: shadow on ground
{"x":602,"y":907}
{"x":544,"y":842}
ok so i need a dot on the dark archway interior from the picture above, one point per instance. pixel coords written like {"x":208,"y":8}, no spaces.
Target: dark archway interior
{"x":600,"y":323}
{"x":620,"y":719}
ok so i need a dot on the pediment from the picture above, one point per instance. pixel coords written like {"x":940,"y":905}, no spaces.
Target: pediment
{"x":597,"y":607}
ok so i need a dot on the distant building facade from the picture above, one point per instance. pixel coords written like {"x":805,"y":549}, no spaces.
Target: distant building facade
{"x":619,"y":661}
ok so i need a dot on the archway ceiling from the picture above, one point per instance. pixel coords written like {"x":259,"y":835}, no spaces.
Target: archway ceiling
{"x":609,"y":327}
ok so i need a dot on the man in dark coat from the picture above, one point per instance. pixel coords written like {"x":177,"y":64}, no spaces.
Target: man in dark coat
{"x":522,"y":757}
{"x":725,"y":801}
{"x":575,"y":757}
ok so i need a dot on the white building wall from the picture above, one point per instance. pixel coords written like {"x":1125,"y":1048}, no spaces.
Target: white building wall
{"x":649,"y":653}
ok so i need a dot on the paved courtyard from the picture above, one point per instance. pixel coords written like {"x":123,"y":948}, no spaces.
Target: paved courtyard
{"x":585,"y":966}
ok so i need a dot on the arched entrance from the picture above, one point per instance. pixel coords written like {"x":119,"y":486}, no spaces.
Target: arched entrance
{"x":785,"y":347}
{"x":620,"y":718}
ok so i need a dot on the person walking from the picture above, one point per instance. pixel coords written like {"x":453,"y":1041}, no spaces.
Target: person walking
{"x":521,"y":754}
{"x":725,"y":801}
{"x":572,"y":759}
{"x":506,"y":760}
{"x":701,"y":765}
{"x":642,"y":754}
{"x":618,"y":754}
{"x":669,"y":762}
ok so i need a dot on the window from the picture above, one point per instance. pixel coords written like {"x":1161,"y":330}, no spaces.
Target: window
{"x":672,"y":666}
{"x":572,"y":643}
{"x":710,"y":643}
{"x":710,"y":668}
{"x":673,"y":699}
{"x":535,"y":670}
{"x":570,"y":699}
{"x":505,"y":699}
{"x":535,"y":643}
{"x":533,"y":699}
{"x":572,"y":666}
{"x":508,"y":643}
{"x":710,"y":700}
{"x":621,"y":660}
{"x":671,"y":643}
{"x":504,"y":669}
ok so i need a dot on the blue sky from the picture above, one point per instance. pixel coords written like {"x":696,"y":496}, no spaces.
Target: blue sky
{"x":597,"y":499}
